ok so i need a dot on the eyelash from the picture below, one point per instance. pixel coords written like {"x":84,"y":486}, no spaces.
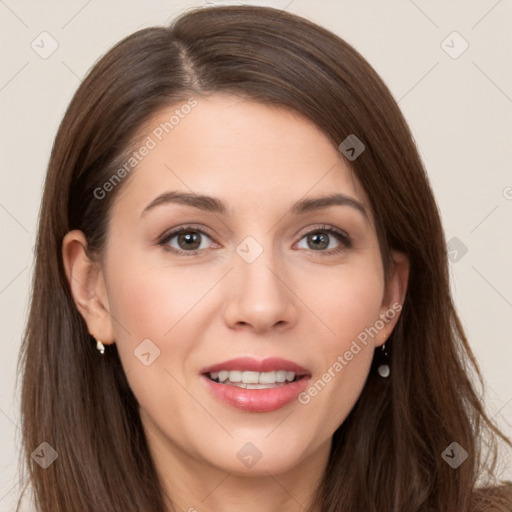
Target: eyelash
{"x":345,"y":240}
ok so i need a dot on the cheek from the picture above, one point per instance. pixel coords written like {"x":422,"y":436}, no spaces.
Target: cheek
{"x":149,"y":300}
{"x":154,"y":311}
{"x":155,"y":303}
{"x":350,"y":308}
{"x":347,"y":302}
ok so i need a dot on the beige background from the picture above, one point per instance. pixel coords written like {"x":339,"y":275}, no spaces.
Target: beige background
{"x":459,"y":109}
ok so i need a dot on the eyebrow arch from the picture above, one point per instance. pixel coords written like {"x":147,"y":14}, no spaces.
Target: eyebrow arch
{"x":212,"y":204}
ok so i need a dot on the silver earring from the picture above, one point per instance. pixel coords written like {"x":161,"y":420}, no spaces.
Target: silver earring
{"x":384,"y":370}
{"x":100,"y":347}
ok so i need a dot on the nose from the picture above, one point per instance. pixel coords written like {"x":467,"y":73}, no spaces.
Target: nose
{"x":260,"y":297}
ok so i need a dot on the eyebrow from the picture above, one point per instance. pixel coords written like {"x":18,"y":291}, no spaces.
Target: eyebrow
{"x":214,"y":205}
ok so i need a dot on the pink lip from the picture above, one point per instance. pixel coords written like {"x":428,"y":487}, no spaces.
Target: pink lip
{"x":250,"y":364}
{"x":257,"y":400}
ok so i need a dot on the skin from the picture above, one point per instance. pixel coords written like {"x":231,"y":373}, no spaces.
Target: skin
{"x":294,"y":301}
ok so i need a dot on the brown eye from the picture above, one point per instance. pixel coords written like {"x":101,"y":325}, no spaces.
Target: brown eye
{"x":189,"y":240}
{"x":186,"y":240}
{"x":325,"y":240}
{"x":318,"y":240}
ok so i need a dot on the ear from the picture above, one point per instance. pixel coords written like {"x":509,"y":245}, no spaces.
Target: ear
{"x":394,"y":295}
{"x":87,"y":285}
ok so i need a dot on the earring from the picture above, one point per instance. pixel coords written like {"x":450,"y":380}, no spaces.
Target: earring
{"x":100,"y":347}
{"x":384,"y":369}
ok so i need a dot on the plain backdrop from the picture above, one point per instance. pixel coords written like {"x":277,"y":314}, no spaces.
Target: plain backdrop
{"x":457,"y":101}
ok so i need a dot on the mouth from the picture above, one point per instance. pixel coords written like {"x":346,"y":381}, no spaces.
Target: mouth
{"x":250,"y":373}
{"x":254,"y":380}
{"x":256,"y":385}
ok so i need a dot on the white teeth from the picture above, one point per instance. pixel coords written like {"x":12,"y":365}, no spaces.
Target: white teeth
{"x":267,"y":378}
{"x":235,"y":376}
{"x":253,"y":378}
{"x":250,"y":377}
{"x":281,"y":375}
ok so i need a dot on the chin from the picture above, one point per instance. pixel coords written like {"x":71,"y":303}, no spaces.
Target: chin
{"x":258,"y":458}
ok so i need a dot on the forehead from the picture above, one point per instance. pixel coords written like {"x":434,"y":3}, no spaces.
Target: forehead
{"x":250,"y":155}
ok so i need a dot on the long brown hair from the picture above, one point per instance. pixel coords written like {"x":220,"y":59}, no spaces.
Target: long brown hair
{"x":387,"y":454}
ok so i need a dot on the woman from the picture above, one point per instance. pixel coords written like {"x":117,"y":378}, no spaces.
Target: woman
{"x":241,"y":296}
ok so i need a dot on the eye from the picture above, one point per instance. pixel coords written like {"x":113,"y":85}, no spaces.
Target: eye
{"x":189,"y":240}
{"x":186,"y":240}
{"x":326,"y":239}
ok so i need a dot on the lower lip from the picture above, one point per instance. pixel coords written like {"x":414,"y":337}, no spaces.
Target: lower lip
{"x":257,"y":400}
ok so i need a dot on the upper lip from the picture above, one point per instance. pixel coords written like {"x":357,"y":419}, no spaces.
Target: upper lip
{"x":257,"y":365}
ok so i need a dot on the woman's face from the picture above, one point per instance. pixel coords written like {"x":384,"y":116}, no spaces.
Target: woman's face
{"x":264,"y":269}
